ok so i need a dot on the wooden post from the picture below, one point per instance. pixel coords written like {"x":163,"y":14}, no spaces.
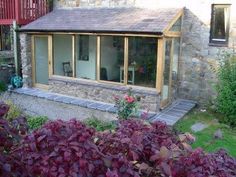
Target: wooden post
{"x":73,"y":57}
{"x":50,"y":55}
{"x":15,"y":39}
{"x":98,"y":57}
{"x":160,"y":62}
{"x":126,"y":62}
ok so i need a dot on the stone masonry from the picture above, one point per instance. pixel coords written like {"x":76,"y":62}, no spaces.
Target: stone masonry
{"x":149,"y":99}
{"x":26,"y":62}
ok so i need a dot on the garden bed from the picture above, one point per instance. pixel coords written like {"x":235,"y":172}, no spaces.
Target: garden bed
{"x":134,"y":148}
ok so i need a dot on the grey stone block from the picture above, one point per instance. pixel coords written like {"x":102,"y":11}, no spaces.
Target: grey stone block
{"x":20,"y":90}
{"x":103,"y":107}
{"x":112,"y":109}
{"x":174,"y":113}
{"x":198,"y":127}
{"x":52,"y":97}
{"x":93,"y":105}
{"x":67,"y":100}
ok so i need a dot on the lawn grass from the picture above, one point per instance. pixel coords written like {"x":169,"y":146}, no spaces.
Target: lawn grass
{"x":205,"y":138}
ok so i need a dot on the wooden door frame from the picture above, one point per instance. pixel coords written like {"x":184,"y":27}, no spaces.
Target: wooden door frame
{"x":50,"y":64}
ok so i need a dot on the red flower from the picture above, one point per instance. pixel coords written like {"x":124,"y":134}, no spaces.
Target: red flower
{"x":129,"y":99}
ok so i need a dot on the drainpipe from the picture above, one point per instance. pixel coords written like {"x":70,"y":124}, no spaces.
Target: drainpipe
{"x":15,"y":39}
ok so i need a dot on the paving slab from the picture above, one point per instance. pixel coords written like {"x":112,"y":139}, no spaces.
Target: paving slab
{"x":197,"y":127}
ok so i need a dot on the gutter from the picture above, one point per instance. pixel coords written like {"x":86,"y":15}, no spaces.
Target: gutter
{"x":88,"y":31}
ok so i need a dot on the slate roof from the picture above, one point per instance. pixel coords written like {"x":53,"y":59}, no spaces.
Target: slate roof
{"x":133,"y":20}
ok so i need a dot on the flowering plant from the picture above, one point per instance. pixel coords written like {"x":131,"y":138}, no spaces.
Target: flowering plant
{"x":127,"y":106}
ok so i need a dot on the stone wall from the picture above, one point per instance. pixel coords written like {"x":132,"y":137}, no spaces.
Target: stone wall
{"x":149,"y":99}
{"x":196,"y":77}
{"x":26,"y":59}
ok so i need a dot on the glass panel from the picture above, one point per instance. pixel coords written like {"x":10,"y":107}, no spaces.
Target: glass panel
{"x":41,"y":60}
{"x":112,"y":58}
{"x":86,"y":48}
{"x":62,"y":50}
{"x":175,"y":60}
{"x":220,"y":23}
{"x":142,"y":61}
{"x":177,"y":25}
{"x":166,"y":76}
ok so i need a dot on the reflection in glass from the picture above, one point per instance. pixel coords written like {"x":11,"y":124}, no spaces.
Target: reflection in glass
{"x":142,"y":61}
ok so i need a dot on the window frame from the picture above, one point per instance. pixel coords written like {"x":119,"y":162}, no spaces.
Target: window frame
{"x":223,"y":42}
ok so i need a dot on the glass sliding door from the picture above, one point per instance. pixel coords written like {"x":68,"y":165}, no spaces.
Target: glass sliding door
{"x":41,"y":60}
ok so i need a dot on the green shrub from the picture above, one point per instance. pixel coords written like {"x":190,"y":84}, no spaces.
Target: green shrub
{"x":100,"y":125}
{"x":36,"y":122}
{"x":13,"y":112}
{"x":3,"y":86}
{"x":226,"y":89}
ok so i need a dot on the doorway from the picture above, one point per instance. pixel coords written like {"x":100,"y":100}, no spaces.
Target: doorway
{"x":41,"y":60}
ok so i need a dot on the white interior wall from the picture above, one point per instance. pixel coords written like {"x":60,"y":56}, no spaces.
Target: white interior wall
{"x":109,"y":58}
{"x":87,"y":69}
{"x":62,"y":52}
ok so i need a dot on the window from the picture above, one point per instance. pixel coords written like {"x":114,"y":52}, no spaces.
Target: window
{"x":112,"y":59}
{"x":76,"y":56}
{"x":220,"y":24}
{"x":177,"y":25}
{"x":86,"y":52}
{"x":142,"y":61}
{"x":62,"y":48}
{"x":5,"y":37}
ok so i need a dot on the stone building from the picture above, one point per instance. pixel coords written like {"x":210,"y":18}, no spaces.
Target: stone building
{"x":96,"y":49}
